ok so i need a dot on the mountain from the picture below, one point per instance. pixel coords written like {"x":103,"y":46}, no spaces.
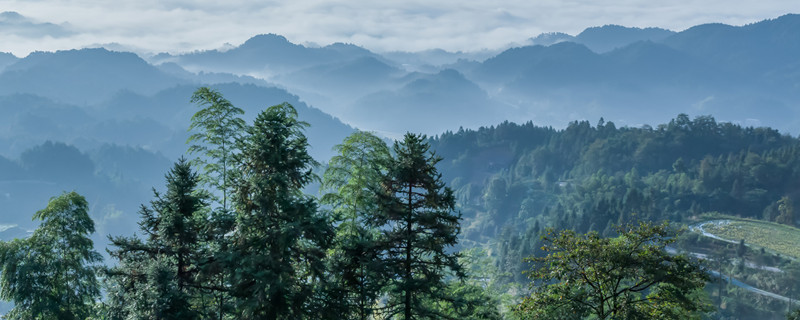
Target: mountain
{"x":558,"y":64}
{"x":29,"y":120}
{"x":432,"y":60}
{"x":743,"y":74}
{"x":171,"y":110}
{"x":604,"y":39}
{"x":83,"y":76}
{"x":353,"y":77}
{"x":176,"y":70}
{"x":610,"y":37}
{"x":428,"y":104}
{"x":551,"y":38}
{"x":6,"y":59}
{"x":266,"y":55}
{"x":755,"y":49}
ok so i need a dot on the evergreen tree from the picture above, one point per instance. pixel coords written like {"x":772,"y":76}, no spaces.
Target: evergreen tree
{"x":277,"y":250}
{"x":52,"y":274}
{"x":157,"y":277}
{"x":355,"y":264}
{"x":416,"y":214}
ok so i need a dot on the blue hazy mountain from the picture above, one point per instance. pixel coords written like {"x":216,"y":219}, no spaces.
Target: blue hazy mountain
{"x":766,"y":47}
{"x":83,"y":76}
{"x":629,"y":75}
{"x":746,"y":74}
{"x":364,"y":74}
{"x":171,"y":110}
{"x":610,"y":37}
{"x":604,"y":39}
{"x":6,"y":59}
{"x":427,"y":103}
{"x":266,"y":54}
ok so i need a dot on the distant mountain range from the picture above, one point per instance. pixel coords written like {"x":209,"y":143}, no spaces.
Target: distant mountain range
{"x":748,"y":74}
{"x":96,"y":99}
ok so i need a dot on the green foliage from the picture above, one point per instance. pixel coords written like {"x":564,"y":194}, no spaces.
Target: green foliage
{"x":476,"y":296}
{"x":355,"y":267}
{"x":786,"y":209}
{"x":157,"y":277}
{"x":279,"y":240}
{"x":794,"y":315}
{"x":419,"y":226}
{"x":220,"y":127}
{"x":630,"y":276}
{"x":52,"y":274}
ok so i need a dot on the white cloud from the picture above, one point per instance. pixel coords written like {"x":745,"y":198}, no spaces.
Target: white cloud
{"x":185,"y":25}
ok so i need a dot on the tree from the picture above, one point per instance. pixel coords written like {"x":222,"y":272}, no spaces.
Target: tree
{"x":279,"y":240}
{"x":794,"y":315}
{"x":786,"y":208}
{"x":355,"y":264}
{"x":627,"y":277}
{"x":52,"y":274}
{"x":157,"y":278}
{"x":220,"y":129}
{"x":477,"y":296}
{"x":416,"y":214}
{"x":220,"y":126}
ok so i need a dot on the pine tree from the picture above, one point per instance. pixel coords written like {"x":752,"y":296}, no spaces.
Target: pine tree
{"x":420,"y":226}
{"x":156,"y":277}
{"x":278,"y":243}
{"x":52,"y":274}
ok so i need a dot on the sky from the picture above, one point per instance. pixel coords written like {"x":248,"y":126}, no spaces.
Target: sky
{"x":175,"y":26}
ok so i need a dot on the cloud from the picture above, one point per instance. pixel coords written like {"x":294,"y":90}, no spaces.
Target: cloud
{"x":410,"y":25}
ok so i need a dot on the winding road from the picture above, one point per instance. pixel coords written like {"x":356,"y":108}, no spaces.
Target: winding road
{"x":699,"y":229}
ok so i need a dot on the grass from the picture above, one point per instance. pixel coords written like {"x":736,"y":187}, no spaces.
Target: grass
{"x":778,"y":238}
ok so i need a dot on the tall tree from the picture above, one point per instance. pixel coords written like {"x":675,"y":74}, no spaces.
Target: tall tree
{"x":627,"y":277}
{"x":220,"y":126}
{"x":351,"y":179}
{"x":52,"y":274}
{"x":279,"y":240}
{"x":157,"y":277}
{"x":420,"y":226}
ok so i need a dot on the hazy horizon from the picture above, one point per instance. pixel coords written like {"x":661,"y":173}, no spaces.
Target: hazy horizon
{"x":179,"y":26}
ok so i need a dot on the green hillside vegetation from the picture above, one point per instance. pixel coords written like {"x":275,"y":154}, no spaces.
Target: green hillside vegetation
{"x":449,"y":227}
{"x":515,"y":180}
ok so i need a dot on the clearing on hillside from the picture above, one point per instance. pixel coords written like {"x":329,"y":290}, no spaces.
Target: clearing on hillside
{"x":779,"y":238}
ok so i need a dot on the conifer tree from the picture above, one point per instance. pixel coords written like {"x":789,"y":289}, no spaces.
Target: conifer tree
{"x":157,"y":276}
{"x":420,"y":226}
{"x":278,"y":242}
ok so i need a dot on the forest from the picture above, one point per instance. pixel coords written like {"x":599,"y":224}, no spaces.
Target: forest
{"x":513,"y":221}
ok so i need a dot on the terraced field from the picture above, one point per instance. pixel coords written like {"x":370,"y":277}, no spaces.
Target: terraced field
{"x":778,"y":238}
